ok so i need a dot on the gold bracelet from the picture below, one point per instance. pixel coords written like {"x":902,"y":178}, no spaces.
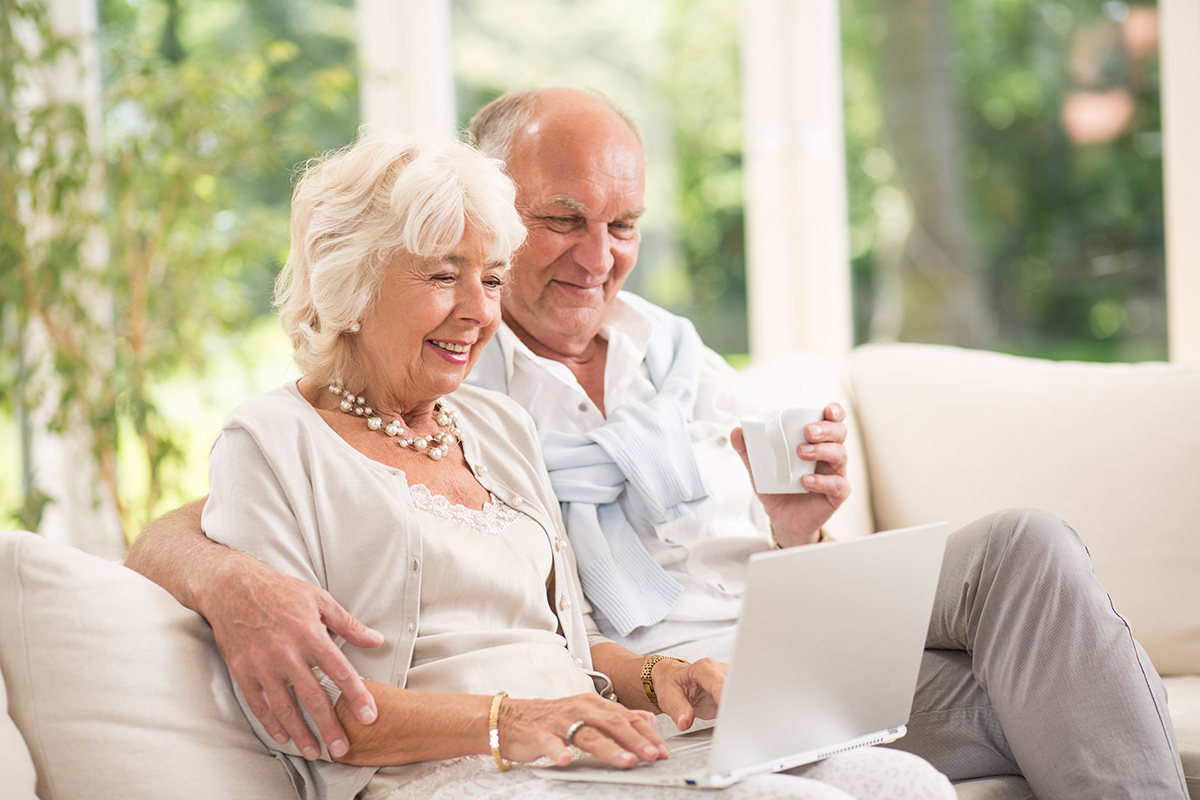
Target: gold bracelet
{"x":821,"y":537}
{"x":494,"y":732}
{"x":648,"y":682}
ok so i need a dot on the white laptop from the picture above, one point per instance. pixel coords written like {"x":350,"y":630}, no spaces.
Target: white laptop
{"x":825,"y":660}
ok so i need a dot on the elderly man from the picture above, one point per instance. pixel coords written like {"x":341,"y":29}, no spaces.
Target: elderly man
{"x":1028,"y":670}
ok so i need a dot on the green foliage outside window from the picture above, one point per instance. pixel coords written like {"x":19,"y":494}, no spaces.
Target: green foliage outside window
{"x":1056,"y":149}
{"x":173,"y":252}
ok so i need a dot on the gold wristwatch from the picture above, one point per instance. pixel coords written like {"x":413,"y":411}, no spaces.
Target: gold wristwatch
{"x":648,"y":682}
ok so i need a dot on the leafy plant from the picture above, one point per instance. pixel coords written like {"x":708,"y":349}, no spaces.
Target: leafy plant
{"x":130,"y":258}
{"x":50,"y":189}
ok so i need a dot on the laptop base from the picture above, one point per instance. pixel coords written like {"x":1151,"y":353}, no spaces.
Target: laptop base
{"x":688,"y":764}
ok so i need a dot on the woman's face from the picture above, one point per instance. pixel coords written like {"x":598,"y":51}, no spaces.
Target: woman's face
{"x":429,"y":324}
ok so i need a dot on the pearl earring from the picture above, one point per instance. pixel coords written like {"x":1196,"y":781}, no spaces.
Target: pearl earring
{"x":355,"y":327}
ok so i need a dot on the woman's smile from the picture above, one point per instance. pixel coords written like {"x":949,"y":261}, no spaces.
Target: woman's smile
{"x":452,"y":351}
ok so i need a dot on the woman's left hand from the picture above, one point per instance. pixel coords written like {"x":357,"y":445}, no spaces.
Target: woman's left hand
{"x":797,"y":518}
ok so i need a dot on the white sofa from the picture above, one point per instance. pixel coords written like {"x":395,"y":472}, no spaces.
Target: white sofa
{"x":115,"y":691}
{"x":940,"y":433}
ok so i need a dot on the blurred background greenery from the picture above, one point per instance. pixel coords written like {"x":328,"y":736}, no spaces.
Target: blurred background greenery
{"x":1013,"y":148}
{"x":1003,"y":163}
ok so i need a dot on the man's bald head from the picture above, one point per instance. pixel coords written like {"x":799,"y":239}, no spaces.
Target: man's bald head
{"x":494,"y":126}
{"x":580,"y":169}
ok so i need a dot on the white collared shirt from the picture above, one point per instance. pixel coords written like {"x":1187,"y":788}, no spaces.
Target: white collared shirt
{"x":707,"y":550}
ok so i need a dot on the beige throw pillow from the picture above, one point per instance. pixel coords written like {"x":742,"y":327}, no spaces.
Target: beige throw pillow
{"x":117,"y":689}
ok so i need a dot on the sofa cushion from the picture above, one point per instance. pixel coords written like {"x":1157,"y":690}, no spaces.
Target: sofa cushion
{"x":118,"y":690}
{"x":16,"y":765}
{"x":1003,"y":787}
{"x":954,"y":434}
{"x":1183,"y":700}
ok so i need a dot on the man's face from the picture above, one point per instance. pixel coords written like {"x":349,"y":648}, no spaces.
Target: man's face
{"x":580,"y":188}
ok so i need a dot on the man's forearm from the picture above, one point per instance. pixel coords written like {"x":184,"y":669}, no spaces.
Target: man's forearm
{"x":174,"y":553}
{"x":624,"y":668}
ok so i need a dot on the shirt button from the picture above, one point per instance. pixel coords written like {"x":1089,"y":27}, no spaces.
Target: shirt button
{"x":722,"y":441}
{"x":579,"y":662}
{"x":416,"y":565}
{"x":516,"y":501}
{"x":583,"y":406}
{"x":559,"y":544}
{"x":564,"y":603}
{"x":481,"y":470}
{"x":412,"y":626}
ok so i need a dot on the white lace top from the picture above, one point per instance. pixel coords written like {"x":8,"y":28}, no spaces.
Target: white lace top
{"x":494,"y":519}
{"x":486,"y":624}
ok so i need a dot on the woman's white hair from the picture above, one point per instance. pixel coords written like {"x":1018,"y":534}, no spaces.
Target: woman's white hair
{"x":355,"y":209}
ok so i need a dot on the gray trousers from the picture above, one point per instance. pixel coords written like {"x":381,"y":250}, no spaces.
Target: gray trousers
{"x":1029,"y":670}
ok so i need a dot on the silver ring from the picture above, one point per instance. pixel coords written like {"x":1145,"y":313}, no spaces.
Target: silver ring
{"x":571,"y":731}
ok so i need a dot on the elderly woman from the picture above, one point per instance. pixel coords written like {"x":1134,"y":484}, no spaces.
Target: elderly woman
{"x":424,"y":508}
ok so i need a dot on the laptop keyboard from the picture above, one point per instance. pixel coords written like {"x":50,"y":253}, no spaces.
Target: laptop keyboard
{"x":692,"y":761}
{"x":687,"y":759}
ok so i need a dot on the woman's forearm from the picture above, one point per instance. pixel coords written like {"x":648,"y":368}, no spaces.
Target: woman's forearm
{"x":416,"y":726}
{"x":423,"y":726}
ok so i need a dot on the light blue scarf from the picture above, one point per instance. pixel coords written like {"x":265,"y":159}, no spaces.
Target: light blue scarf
{"x":644,"y":451}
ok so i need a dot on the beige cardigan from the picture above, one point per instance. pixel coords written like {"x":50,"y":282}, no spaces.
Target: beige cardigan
{"x":287,"y":488}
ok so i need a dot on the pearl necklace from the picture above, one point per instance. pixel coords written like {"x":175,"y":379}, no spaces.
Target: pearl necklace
{"x":435,"y":445}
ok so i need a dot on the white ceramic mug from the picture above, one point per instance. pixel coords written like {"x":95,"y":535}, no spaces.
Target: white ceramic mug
{"x":771,"y":442}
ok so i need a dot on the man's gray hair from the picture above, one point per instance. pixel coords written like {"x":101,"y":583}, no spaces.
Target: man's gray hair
{"x":354,"y":210}
{"x":495,"y":126}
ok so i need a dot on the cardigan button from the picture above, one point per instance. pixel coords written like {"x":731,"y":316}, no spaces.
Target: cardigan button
{"x":412,"y":626}
{"x":579,"y":662}
{"x":416,"y":565}
{"x":559,"y":544}
{"x":481,"y":470}
{"x":583,"y":407}
{"x":516,"y":501}
{"x":564,"y":603}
